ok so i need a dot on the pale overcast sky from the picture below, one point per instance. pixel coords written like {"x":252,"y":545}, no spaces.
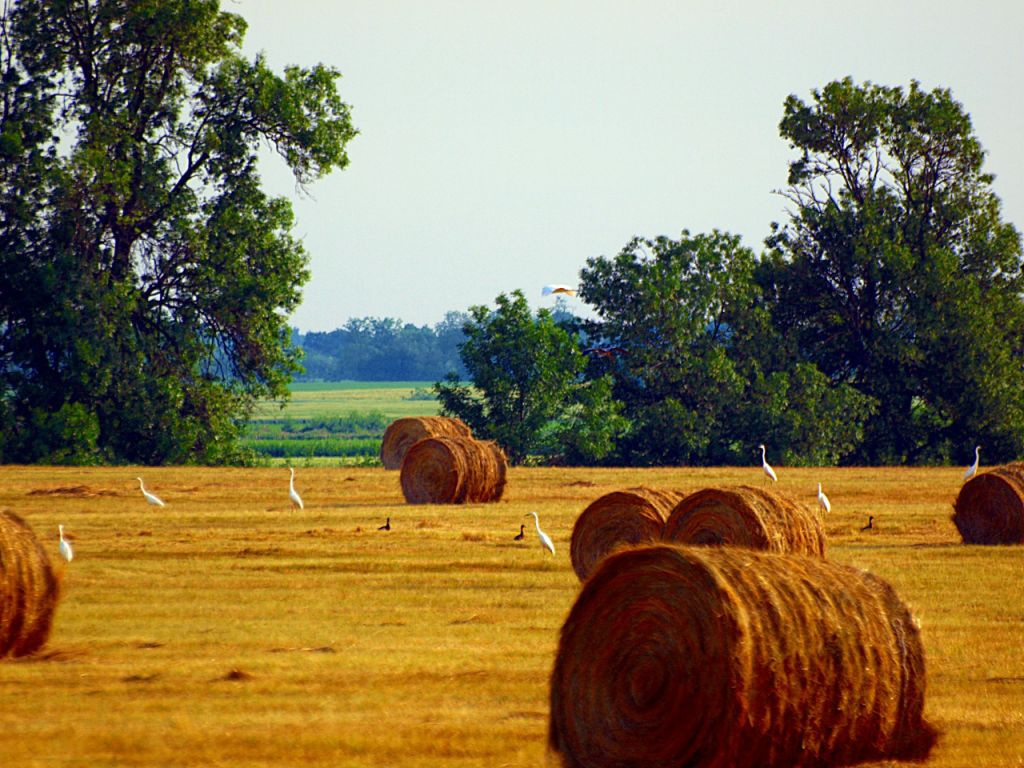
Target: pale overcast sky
{"x":503,"y":143}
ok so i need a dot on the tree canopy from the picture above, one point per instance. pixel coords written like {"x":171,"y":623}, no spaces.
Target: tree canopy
{"x":147,"y":276}
{"x":383,"y":349}
{"x":883,"y":323}
{"x":669,"y":306}
{"x":701,"y":373}
{"x":895,"y":273}
{"x":527,"y":391}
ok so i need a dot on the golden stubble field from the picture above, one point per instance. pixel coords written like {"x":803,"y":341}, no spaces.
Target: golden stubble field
{"x":228,"y":629}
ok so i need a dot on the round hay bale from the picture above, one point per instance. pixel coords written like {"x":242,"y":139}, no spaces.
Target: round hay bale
{"x":746,"y":517}
{"x":402,"y":434}
{"x":621,"y":518}
{"x":453,"y":470}
{"x":718,"y":656}
{"x":29,"y":588}
{"x":990,"y":507}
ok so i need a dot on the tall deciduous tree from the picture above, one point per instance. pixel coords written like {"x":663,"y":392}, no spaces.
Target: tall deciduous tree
{"x":147,"y":276}
{"x":669,"y":308}
{"x":702,"y":374}
{"x":896,"y":274}
{"x":527,"y":390}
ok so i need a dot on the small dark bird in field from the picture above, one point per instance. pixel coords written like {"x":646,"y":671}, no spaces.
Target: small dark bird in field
{"x":871,"y":523}
{"x":386,"y":526}
{"x":519,"y":536}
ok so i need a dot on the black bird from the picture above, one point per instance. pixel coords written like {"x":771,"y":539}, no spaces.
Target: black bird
{"x":519,"y":536}
{"x":386,"y":526}
{"x":871,"y":523}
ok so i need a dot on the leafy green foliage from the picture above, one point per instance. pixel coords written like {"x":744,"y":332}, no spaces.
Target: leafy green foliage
{"x":896,"y":275}
{"x":149,"y":275}
{"x":589,"y":426}
{"x":384,"y":349}
{"x":808,"y":420}
{"x":526,"y":373}
{"x":671,"y":307}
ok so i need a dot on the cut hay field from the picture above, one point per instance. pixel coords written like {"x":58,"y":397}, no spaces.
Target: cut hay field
{"x":228,"y":629}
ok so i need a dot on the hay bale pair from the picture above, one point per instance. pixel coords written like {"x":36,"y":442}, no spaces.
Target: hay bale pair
{"x":626,"y":518}
{"x":453,"y":470}
{"x":743,"y":517}
{"x":718,"y":656}
{"x":990,"y":507}
{"x":29,"y":588}
{"x":403,"y":434}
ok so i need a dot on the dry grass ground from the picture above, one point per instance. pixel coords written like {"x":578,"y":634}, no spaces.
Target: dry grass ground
{"x":228,"y":629}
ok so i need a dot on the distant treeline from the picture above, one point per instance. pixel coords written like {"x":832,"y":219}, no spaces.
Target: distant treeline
{"x":383,"y":349}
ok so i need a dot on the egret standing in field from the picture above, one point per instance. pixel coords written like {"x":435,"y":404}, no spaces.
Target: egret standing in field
{"x":545,"y":540}
{"x":152,"y":499}
{"x":823,"y":501}
{"x":65,"y":545}
{"x":292,"y":493}
{"x":973,"y":469}
{"x":768,"y":471}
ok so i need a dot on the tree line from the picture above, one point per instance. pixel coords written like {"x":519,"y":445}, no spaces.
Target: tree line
{"x":147,"y":278}
{"x":382,"y":349}
{"x":882,"y":324}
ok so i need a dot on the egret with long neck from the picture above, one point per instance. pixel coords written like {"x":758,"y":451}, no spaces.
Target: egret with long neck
{"x":65,"y":546}
{"x":768,"y":471}
{"x":156,"y":501}
{"x":823,"y":501}
{"x":545,"y":540}
{"x":973,"y":469}
{"x":292,"y":493}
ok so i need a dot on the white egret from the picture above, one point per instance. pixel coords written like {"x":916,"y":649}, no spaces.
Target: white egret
{"x":522,"y":532}
{"x":154,"y":500}
{"x":766,"y":466}
{"x":292,"y":493}
{"x":65,"y":545}
{"x":973,"y":469}
{"x":823,"y":501}
{"x":545,"y":540}
{"x":547,"y":290}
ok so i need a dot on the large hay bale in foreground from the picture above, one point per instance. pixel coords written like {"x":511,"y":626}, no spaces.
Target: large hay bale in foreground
{"x":402,"y":434}
{"x":990,"y":507}
{"x":746,"y":517}
{"x":29,"y":588}
{"x":718,"y":656}
{"x":621,"y":518}
{"x":453,"y":470}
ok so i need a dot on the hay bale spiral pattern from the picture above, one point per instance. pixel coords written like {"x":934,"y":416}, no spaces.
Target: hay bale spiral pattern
{"x":990,"y":507}
{"x":403,"y":433}
{"x":715,"y":656}
{"x":746,"y":517}
{"x":453,"y":470}
{"x":29,"y":588}
{"x":621,"y":518}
